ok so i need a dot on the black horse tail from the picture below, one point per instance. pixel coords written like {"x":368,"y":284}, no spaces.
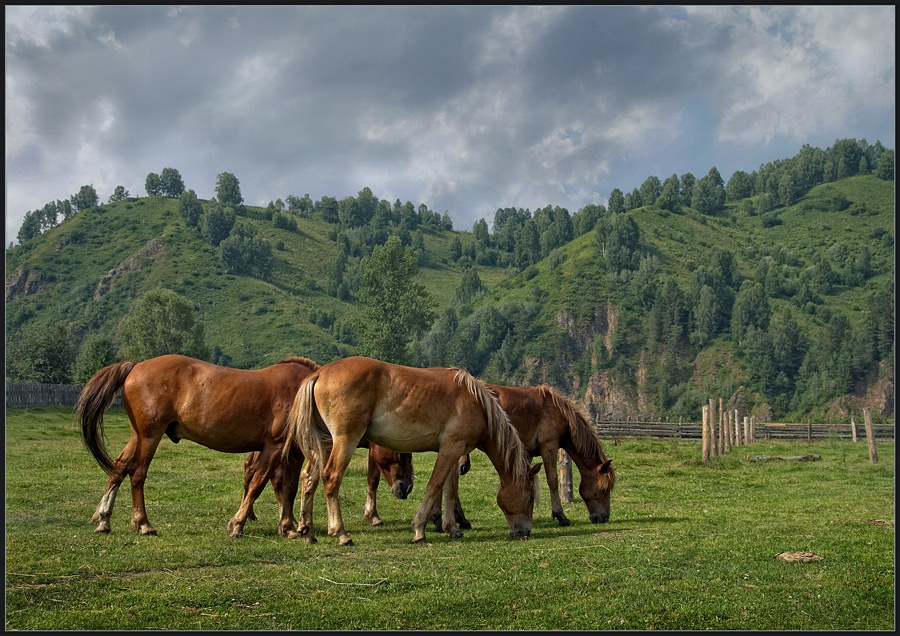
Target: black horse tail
{"x":97,"y":396}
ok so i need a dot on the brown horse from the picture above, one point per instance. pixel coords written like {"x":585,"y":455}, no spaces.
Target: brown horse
{"x":409,"y":410}
{"x":395,"y":467}
{"x":546,"y":421}
{"x":228,"y":410}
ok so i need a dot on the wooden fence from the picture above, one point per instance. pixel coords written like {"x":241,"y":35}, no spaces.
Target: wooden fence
{"x":693,"y":431}
{"x":35,"y":395}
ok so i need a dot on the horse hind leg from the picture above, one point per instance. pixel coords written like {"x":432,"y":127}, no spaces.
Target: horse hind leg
{"x":285,"y":482}
{"x":144,"y":455}
{"x":310,"y":478}
{"x":332,"y":476}
{"x":101,"y":517}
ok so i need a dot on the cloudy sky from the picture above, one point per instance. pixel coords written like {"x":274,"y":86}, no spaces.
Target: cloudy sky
{"x":463,"y":108}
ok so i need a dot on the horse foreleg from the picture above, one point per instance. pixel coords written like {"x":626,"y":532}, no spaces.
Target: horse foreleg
{"x":332,"y":475}
{"x":549,"y":456}
{"x":436,"y":515}
{"x":249,"y":471}
{"x":260,"y":473}
{"x":370,"y":511}
{"x":451,"y":496}
{"x":445,"y":463}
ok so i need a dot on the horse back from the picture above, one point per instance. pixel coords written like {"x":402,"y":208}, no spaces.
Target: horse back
{"x":533,"y":414}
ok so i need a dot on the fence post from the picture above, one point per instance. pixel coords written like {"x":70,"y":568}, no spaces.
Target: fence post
{"x":724,"y":428}
{"x":705,"y":431}
{"x":713,"y":437}
{"x":565,"y":477}
{"x":853,"y":426}
{"x":752,"y":429}
{"x":737,"y":428}
{"x":746,"y":430}
{"x":870,"y":436}
{"x":808,"y":430}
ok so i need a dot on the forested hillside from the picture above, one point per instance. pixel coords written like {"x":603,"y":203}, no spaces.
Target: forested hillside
{"x":773,"y":291}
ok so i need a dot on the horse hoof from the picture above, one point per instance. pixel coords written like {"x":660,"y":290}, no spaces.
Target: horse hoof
{"x":465,"y":525}
{"x":377,"y":523}
{"x":310,"y":539}
{"x":102,"y":529}
{"x":455,"y":534}
{"x":564,"y":521}
{"x":345,"y":541}
{"x":420,"y":540}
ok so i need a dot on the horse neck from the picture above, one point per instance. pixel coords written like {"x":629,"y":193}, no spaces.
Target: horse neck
{"x":586,"y":462}
{"x":505,"y":463}
{"x":580,"y":442}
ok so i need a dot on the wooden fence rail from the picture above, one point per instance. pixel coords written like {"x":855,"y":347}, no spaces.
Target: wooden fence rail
{"x":35,"y":395}
{"x":689,"y":431}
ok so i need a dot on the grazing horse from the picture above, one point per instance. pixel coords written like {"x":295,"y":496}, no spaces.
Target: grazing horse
{"x":409,"y":410}
{"x":228,"y":410}
{"x":395,"y":467}
{"x":546,"y":421}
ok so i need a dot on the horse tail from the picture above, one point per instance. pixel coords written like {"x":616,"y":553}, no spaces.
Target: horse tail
{"x":305,"y":429}
{"x":97,"y":396}
{"x":515,"y":455}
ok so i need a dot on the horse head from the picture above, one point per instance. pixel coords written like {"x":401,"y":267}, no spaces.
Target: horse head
{"x":516,"y":500}
{"x":397,"y":470}
{"x":596,"y":492}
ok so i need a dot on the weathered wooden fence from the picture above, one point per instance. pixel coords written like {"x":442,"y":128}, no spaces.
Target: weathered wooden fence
{"x":35,"y":395}
{"x":693,"y":430}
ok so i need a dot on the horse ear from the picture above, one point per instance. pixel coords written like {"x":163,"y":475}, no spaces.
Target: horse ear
{"x":535,"y":469}
{"x":605,"y":467}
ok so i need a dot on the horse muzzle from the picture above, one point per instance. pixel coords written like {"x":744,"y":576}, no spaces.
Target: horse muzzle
{"x":520,"y":532}
{"x":401,"y":489}
{"x":600,"y":517}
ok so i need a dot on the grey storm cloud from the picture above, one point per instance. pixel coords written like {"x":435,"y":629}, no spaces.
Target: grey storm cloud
{"x":465,"y":109}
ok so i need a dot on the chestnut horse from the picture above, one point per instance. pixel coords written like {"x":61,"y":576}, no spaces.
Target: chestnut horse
{"x":409,"y":410}
{"x":547,"y":421}
{"x":395,"y":467}
{"x":228,"y":410}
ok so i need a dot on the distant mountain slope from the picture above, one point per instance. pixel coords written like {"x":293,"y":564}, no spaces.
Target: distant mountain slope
{"x":567,"y":320}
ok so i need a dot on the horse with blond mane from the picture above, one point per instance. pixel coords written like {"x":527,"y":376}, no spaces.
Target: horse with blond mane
{"x":547,"y":421}
{"x":409,"y":410}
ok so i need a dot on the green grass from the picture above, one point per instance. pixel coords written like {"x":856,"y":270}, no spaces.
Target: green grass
{"x":689,"y":546}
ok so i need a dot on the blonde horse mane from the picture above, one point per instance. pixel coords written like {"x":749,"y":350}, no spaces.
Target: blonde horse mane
{"x":515,"y":455}
{"x":583,"y":435}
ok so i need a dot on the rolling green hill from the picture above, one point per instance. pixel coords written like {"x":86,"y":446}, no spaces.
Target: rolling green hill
{"x":567,"y":320}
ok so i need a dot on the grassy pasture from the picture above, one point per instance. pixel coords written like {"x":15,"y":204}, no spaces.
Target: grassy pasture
{"x":689,"y":546}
